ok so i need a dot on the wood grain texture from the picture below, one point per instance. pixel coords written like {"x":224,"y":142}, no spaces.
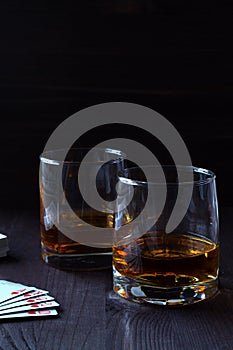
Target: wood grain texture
{"x":93,"y":317}
{"x":197,"y":327}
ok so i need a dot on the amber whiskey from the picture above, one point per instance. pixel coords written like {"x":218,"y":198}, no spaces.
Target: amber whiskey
{"x":168,"y":260}
{"x":60,"y":251}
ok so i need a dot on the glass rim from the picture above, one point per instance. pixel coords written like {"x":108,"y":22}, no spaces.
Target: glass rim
{"x":131,"y":181}
{"x":55,"y":161}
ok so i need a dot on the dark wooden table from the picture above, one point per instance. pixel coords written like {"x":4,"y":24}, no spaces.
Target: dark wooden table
{"x":92,"y":317}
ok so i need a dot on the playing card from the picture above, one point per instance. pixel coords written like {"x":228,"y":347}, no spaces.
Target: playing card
{"x":40,"y":313}
{"x":30,"y":307}
{"x":2,"y":238}
{"x":26,"y":302}
{"x":18,"y":300}
{"x":3,"y":245}
{"x":33,"y":294}
{"x":10,"y":290}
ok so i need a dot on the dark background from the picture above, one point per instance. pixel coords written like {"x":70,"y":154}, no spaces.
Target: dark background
{"x":59,"y":57}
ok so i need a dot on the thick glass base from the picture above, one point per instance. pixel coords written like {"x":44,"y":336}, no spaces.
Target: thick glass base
{"x":77,"y":262}
{"x":131,"y":289}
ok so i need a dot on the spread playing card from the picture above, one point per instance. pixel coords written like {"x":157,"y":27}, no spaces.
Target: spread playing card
{"x":43,"y":313}
{"x":46,"y":305}
{"x":9,"y":290}
{"x":33,"y":294}
{"x":18,"y":300}
{"x":25,"y":302}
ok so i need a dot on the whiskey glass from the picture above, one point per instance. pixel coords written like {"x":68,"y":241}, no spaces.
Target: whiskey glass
{"x":166,"y":268}
{"x":74,"y":234}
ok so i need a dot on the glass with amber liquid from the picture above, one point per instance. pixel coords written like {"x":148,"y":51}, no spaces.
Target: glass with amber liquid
{"x":175,"y":268}
{"x":74,"y":235}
